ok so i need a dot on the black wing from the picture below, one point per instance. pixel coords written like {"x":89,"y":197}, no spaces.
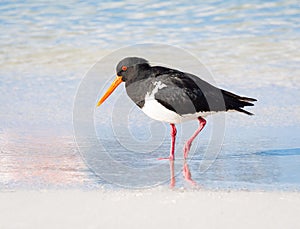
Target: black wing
{"x":185,"y":93}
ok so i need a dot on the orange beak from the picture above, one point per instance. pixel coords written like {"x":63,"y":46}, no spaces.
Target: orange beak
{"x":110,"y":90}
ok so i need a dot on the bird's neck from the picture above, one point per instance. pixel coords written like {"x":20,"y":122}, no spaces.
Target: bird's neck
{"x":138,"y":84}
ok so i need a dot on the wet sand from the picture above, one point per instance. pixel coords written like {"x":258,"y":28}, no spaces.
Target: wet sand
{"x":149,"y":209}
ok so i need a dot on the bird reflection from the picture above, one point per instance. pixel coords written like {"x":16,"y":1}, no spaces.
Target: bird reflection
{"x":172,"y":173}
{"x":186,"y":174}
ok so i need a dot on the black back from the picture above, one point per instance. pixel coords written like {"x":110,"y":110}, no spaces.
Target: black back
{"x":181,"y":92}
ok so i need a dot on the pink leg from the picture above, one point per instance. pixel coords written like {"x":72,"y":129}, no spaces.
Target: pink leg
{"x":188,"y":144}
{"x":173,"y":136}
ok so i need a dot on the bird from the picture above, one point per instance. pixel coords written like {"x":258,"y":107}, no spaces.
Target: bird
{"x":170,"y":95}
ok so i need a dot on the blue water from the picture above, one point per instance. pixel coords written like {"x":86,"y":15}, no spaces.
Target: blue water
{"x":48,"y":48}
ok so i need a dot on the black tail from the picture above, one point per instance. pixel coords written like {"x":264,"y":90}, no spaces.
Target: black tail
{"x":236,"y":102}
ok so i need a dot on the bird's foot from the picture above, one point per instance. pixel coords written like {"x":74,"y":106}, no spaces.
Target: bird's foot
{"x":171,"y":158}
{"x":186,"y":149}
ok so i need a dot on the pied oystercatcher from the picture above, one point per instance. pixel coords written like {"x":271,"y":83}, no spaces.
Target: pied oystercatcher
{"x":172,"y":96}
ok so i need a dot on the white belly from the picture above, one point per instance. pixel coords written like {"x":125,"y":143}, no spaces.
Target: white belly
{"x":156,"y":111}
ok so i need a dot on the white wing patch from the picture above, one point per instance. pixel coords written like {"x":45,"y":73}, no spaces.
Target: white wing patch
{"x":158,"y":85}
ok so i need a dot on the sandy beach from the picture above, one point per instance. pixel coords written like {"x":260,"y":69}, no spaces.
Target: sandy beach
{"x":149,"y":209}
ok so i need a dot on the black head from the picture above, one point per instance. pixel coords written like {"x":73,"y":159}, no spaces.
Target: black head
{"x":127,"y":70}
{"x":127,"y":66}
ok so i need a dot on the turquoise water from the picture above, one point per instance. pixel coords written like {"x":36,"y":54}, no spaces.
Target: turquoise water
{"x":47,"y":49}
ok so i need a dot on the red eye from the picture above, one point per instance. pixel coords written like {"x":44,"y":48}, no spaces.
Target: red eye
{"x":124,"y":68}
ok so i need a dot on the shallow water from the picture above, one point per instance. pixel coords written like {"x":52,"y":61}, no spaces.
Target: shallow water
{"x":46,"y":49}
